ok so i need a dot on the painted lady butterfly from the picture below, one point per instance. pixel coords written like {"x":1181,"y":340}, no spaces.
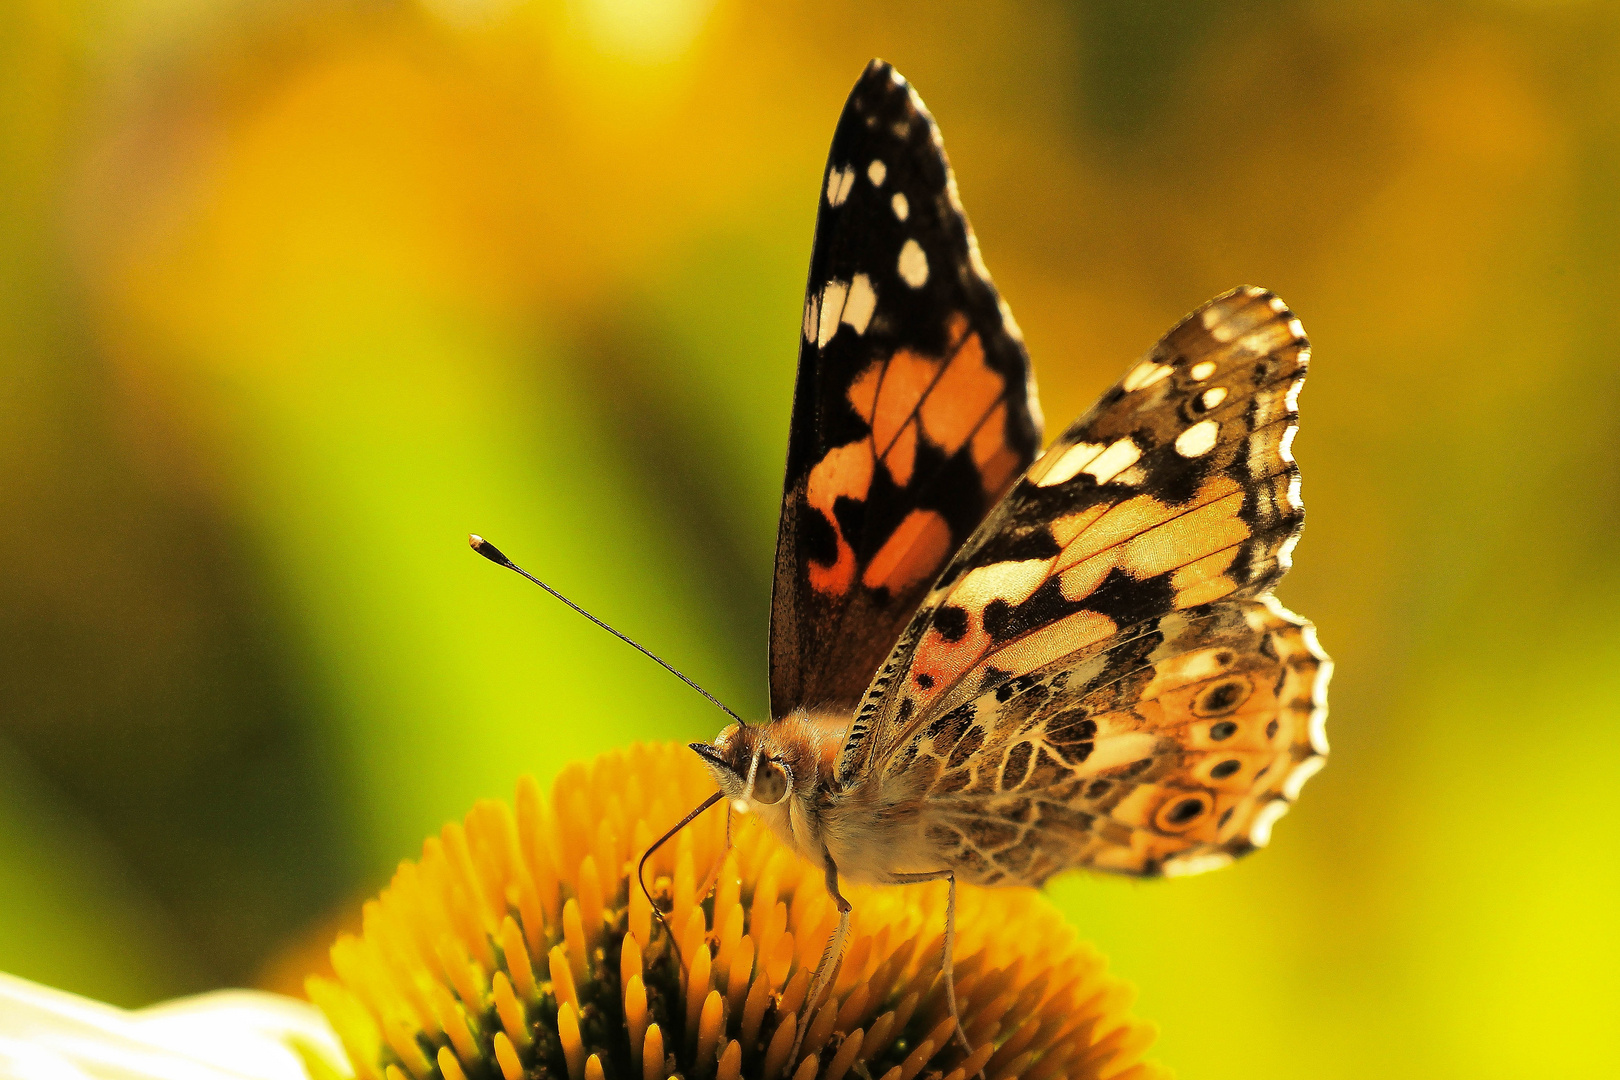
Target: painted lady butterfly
{"x":988,"y":663}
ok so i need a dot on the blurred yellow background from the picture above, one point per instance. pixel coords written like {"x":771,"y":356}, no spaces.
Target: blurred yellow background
{"x":295,"y":295}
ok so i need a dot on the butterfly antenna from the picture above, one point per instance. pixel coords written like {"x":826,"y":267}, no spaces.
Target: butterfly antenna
{"x":495,"y":555}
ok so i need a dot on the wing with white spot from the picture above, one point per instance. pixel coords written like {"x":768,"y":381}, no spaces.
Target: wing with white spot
{"x":1178,"y":490}
{"x":914,"y":409}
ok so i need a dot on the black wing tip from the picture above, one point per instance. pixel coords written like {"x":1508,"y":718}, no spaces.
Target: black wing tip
{"x":883,"y":94}
{"x":1256,"y":294}
{"x":880,"y":76}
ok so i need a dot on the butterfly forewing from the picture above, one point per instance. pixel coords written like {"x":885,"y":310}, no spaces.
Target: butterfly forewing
{"x":1049,"y":684}
{"x":913,"y":410}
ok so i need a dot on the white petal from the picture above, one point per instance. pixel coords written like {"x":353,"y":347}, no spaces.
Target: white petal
{"x":48,"y":1034}
{"x":20,"y":1061}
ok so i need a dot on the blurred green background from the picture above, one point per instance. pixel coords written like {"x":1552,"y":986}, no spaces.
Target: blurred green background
{"x":294,"y":295}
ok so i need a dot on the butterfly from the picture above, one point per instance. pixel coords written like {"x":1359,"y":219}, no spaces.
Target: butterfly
{"x":988,"y":663}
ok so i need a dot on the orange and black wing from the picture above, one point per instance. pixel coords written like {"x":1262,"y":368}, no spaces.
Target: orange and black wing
{"x":913,"y":411}
{"x":1100,"y":677}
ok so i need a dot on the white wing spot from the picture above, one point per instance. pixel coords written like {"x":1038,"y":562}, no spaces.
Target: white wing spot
{"x":913,"y":264}
{"x":1285,"y":551}
{"x":832,"y":311}
{"x":1198,"y":439}
{"x":1277,"y":305}
{"x":1264,"y":819}
{"x":1120,"y":456}
{"x":861,"y":303}
{"x":839,"y":181}
{"x":812,"y":309}
{"x":1318,"y":723}
{"x":1146,"y":374}
{"x":1296,"y":328}
{"x":876,"y":172}
{"x":975,"y":258}
{"x":1294,"y":501}
{"x":1183,"y":865}
{"x":1285,"y":445}
{"x":1291,"y":399}
{"x":1008,"y":323}
{"x":901,"y":206}
{"x":1062,"y":466}
{"x":1214,"y":396}
{"x":1302,"y":772}
{"x":1202,"y":371}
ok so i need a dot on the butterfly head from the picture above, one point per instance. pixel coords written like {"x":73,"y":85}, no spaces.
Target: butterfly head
{"x":747,"y":768}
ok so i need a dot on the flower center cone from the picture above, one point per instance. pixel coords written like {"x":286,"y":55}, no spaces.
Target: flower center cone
{"x":519,"y":946}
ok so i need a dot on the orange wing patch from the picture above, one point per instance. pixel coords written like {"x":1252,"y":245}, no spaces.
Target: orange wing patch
{"x":908,"y":399}
{"x":886,"y":395}
{"x":946,"y":400}
{"x":846,"y":472}
{"x":998,"y":462}
{"x":914,"y":552}
{"x":965,"y":391}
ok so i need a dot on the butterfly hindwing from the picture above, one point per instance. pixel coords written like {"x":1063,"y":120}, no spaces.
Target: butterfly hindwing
{"x":913,"y":410}
{"x":1173,"y":750}
{"x":1174,"y":503}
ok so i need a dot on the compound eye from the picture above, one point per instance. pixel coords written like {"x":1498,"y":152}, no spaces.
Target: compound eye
{"x":770,"y":783}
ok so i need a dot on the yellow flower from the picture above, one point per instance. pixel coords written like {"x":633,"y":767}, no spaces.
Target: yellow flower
{"x":519,"y":946}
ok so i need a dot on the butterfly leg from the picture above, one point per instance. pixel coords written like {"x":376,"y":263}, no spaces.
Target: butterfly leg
{"x":948,"y":876}
{"x":829,"y":958}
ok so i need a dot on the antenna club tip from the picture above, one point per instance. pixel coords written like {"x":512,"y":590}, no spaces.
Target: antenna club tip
{"x":486,"y":549}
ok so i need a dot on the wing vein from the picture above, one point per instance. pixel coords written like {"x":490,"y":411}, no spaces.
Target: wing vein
{"x":916,"y":409}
